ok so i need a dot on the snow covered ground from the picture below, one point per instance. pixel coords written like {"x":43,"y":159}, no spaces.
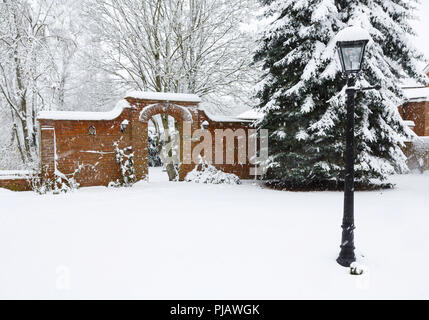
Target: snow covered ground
{"x":183,"y":240}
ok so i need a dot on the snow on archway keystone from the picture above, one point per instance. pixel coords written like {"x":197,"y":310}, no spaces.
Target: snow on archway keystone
{"x":178,"y":240}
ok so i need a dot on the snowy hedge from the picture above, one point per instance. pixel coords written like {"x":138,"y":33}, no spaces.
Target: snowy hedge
{"x":206,"y":173}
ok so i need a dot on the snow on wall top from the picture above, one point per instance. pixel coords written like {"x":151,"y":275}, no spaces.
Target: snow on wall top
{"x":409,"y":83}
{"x":354,"y":33}
{"x":163,"y":96}
{"x":16,"y":174}
{"x":409,"y":123}
{"x":78,"y":115}
{"x":113,"y":114}
{"x":251,"y":115}
{"x":222,"y":118}
{"x":417,"y":94}
{"x":421,"y":140}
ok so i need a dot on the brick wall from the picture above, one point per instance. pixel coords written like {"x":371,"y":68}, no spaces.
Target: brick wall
{"x":419,"y":113}
{"x":15,"y":184}
{"x":417,"y":151}
{"x":240,"y":169}
{"x":68,"y":144}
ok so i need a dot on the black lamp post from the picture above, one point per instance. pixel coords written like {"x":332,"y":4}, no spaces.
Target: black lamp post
{"x":351,"y":43}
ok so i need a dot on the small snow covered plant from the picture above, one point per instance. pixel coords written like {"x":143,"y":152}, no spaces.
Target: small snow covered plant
{"x":41,"y":185}
{"x":206,"y":173}
{"x":125,"y":159}
{"x":418,"y":152}
{"x":357,"y":269}
{"x":59,"y":184}
{"x":302,"y":90}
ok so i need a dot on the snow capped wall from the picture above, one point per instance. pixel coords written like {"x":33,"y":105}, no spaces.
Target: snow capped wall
{"x":416,"y":109}
{"x":163,"y":96}
{"x":121,"y":105}
{"x":142,"y":95}
{"x":420,"y":94}
{"x":15,"y":174}
{"x":76,"y":115}
{"x":251,"y":115}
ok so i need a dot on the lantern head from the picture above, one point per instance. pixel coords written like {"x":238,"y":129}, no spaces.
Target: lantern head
{"x":351,"y":44}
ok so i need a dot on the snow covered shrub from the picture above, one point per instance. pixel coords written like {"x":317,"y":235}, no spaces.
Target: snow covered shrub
{"x":125,"y":159}
{"x":418,"y":159}
{"x":41,"y":186}
{"x":60,"y":184}
{"x":206,"y":173}
{"x":357,"y":269}
{"x":154,"y":159}
{"x":63,"y":184}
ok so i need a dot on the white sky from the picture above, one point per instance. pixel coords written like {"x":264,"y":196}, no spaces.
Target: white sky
{"x":422,"y":28}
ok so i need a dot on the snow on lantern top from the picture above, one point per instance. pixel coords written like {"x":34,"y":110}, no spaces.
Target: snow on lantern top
{"x":351,"y":43}
{"x":354,"y":33}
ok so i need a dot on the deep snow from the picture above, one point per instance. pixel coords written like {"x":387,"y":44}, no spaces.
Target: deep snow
{"x":185,"y":240}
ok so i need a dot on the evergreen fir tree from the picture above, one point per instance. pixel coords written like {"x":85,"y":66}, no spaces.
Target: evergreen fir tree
{"x":302,"y":92}
{"x":153,"y":150}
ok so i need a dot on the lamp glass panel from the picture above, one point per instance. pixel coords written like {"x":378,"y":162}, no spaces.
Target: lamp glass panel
{"x":352,"y":57}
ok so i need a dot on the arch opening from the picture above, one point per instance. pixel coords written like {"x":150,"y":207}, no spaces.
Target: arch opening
{"x":164,"y":125}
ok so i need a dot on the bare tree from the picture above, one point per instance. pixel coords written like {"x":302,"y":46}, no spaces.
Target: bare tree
{"x":192,"y":46}
{"x":80,"y":84}
{"x":38,"y":41}
{"x":24,"y":55}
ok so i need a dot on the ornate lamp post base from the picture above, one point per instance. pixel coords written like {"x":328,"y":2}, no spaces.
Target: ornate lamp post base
{"x":347,"y":255}
{"x":344,"y":262}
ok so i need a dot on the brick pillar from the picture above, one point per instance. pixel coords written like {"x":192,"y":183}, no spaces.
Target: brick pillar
{"x":139,"y":142}
{"x":47,"y":151}
{"x":186,"y":131}
{"x":185,"y":149}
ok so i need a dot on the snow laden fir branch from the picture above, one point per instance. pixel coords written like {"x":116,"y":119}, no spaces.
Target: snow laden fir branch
{"x":302,"y":90}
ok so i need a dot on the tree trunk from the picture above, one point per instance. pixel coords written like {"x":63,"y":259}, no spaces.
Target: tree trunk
{"x":33,"y":120}
{"x":170,"y":166}
{"x":18,"y":142}
{"x":15,"y":136}
{"x":22,"y":106}
{"x":25,"y":131}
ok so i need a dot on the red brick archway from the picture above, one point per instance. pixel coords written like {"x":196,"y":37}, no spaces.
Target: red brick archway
{"x":181,"y":114}
{"x":72,"y":139}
